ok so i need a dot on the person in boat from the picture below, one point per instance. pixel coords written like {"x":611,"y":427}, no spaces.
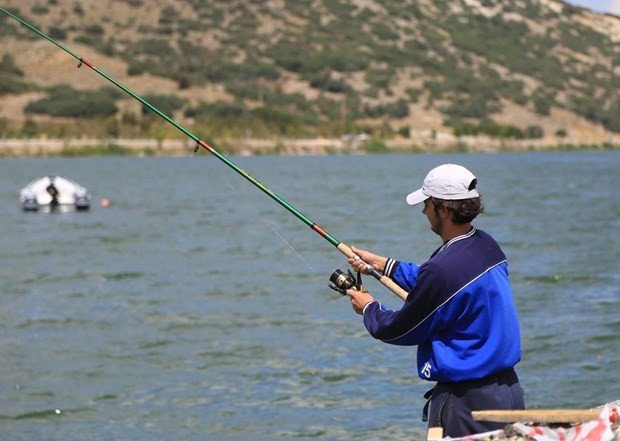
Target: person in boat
{"x":459,"y":311}
{"x":53,"y":192}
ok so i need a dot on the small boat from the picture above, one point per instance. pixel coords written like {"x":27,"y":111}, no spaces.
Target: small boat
{"x":54,"y":193}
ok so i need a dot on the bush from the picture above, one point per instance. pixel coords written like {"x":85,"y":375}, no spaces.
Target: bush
{"x":8,"y":66}
{"x":495,"y":130}
{"x":542,"y":104}
{"x":166,"y":104}
{"x":379,"y":78}
{"x":464,"y":129}
{"x":94,"y":30}
{"x":294,"y":57}
{"x":384,"y":32}
{"x":282,"y":121}
{"x":534,"y":132}
{"x":68,"y":102}
{"x":490,"y":128}
{"x":156,"y":47}
{"x":345,"y":59}
{"x":39,"y":10}
{"x":57,"y":33}
{"x":9,"y":85}
{"x":399,"y":109}
{"x":324,"y":81}
{"x":30,"y":129}
{"x":375,"y":146}
{"x":219,"y":109}
{"x":476,"y":106}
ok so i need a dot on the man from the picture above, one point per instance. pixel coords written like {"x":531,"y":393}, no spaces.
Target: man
{"x":459,"y":310}
{"x":53,"y":192}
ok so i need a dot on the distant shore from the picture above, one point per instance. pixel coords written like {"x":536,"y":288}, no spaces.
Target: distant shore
{"x":18,"y":147}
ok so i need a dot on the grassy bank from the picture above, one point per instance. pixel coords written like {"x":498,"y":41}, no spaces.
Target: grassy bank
{"x":248,"y":147}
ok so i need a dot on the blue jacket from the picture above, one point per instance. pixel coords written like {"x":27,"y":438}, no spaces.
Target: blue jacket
{"x":459,"y":311}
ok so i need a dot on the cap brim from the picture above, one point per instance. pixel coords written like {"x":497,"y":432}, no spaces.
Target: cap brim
{"x":416,"y":197}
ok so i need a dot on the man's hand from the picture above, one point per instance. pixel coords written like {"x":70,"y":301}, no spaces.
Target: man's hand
{"x":374,"y":260}
{"x":359,"y":299}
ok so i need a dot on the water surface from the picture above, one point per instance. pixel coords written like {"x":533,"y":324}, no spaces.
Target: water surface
{"x":197,"y":308}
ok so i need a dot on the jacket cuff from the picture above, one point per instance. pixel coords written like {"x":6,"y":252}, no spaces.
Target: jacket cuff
{"x":390,"y":267}
{"x":367,"y":305}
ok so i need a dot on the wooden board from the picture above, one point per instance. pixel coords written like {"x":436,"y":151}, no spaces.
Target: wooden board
{"x":537,"y":416}
{"x":434,"y":434}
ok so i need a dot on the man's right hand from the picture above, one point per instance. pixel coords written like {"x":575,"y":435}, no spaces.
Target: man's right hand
{"x":359,"y":299}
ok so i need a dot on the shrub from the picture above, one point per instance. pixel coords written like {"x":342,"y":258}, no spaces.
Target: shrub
{"x":156,"y":47}
{"x":375,"y":145}
{"x":345,"y":59}
{"x":283,"y":121}
{"x":463,"y":129}
{"x":324,"y":81}
{"x":413,"y":94}
{"x":94,"y":29}
{"x":534,"y":132}
{"x":490,"y":128}
{"x":135,"y":68}
{"x":66,"y":101}
{"x":384,"y":32}
{"x":9,"y":85}
{"x":30,"y":129}
{"x":57,"y":33}
{"x":405,"y":132}
{"x":476,"y":106}
{"x":219,"y":109}
{"x":294,"y":57}
{"x":378,"y":78}
{"x":8,"y":66}
{"x":166,"y":104}
{"x":39,"y":10}
{"x":399,"y":109}
{"x":542,"y":104}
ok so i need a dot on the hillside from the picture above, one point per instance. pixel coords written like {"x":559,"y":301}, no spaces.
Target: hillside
{"x":313,"y":68}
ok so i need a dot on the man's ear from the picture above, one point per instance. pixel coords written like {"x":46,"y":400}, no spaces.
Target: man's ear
{"x":444,"y":212}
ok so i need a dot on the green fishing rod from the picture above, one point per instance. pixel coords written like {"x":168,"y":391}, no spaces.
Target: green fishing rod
{"x":343,"y":248}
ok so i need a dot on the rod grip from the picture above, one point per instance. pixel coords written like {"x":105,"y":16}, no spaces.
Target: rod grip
{"x":384,"y":280}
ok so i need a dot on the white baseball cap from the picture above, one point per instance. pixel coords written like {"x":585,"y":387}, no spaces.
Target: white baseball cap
{"x":448,"y":182}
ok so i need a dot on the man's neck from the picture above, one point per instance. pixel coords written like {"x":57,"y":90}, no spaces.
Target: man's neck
{"x":453,"y":230}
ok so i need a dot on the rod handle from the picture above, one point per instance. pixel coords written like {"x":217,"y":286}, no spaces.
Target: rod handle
{"x":384,"y":280}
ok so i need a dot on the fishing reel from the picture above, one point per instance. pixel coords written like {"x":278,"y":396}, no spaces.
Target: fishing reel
{"x":341,"y":281}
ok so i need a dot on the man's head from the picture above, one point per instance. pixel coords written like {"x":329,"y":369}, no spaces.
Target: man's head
{"x":448,"y":182}
{"x":453,"y":187}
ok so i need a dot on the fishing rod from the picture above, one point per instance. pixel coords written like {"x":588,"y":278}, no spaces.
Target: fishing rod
{"x":343,"y":248}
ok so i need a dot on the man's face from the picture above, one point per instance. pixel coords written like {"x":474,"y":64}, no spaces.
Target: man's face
{"x":433,"y":218}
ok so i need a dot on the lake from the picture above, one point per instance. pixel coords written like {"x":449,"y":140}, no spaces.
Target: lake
{"x":195,"y":307}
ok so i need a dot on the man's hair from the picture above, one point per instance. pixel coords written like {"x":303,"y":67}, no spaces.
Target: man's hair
{"x":463,"y":210}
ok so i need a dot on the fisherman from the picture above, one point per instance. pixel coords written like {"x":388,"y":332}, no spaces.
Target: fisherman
{"x":459,"y":310}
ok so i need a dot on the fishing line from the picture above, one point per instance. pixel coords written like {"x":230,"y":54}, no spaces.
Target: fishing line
{"x":272,"y":228}
{"x":343,"y":248}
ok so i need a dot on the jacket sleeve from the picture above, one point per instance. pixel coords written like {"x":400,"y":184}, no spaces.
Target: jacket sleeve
{"x":416,"y":320}
{"x":403,"y":273}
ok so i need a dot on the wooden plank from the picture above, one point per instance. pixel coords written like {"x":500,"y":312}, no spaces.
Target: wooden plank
{"x":537,"y":415}
{"x":434,"y":434}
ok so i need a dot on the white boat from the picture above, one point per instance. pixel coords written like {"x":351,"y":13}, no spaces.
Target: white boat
{"x":54,"y":192}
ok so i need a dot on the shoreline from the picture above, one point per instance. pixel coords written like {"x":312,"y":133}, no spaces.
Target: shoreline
{"x":21,"y":147}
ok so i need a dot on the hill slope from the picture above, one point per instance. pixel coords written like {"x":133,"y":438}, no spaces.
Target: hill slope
{"x":315,"y":67}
